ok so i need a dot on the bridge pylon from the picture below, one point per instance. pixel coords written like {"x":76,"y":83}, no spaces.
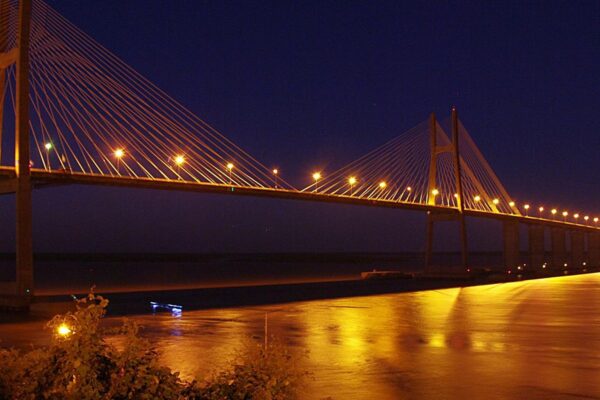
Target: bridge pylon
{"x":19,"y":294}
{"x":432,"y":217}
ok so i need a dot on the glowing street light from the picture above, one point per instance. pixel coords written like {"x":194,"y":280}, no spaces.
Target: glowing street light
{"x":230,"y":168}
{"x":526,"y":207}
{"x":179,"y":160}
{"x":435,"y":192}
{"x":276,"y":175}
{"x":541,"y":210}
{"x":565,"y":214}
{"x":382,"y":185}
{"x":119,"y":153}
{"x":316,"y":176}
{"x":477,"y":198}
{"x":586,"y":218}
{"x":48,"y":147}
{"x":511,"y":203}
{"x":352,"y":182}
{"x":576,"y":216}
{"x":595,"y":220}
{"x":496,"y":201}
{"x":63,"y":330}
{"x":554,"y":211}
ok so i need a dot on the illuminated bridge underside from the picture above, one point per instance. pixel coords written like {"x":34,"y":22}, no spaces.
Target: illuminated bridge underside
{"x":44,"y":179}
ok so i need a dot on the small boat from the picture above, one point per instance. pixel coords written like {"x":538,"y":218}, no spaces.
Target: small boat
{"x":375,"y":274}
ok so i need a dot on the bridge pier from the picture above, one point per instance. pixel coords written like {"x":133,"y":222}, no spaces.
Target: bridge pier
{"x":18,"y":294}
{"x":578,"y":249}
{"x":593,"y":254}
{"x":537,"y":247}
{"x":512,"y":250}
{"x":559,"y":248}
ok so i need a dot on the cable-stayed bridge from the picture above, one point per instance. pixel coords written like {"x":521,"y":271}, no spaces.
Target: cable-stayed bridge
{"x":80,"y":115}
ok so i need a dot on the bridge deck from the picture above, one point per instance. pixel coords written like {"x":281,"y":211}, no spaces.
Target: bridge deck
{"x":42,"y":178}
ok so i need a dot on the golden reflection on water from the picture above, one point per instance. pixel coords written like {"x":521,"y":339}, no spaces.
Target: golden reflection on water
{"x":531,"y":339}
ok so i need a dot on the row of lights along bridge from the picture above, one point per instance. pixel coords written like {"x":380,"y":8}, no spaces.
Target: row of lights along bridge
{"x":352,"y":181}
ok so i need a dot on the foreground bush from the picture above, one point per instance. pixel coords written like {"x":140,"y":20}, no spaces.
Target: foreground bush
{"x":260,"y":372}
{"x":80,"y":364}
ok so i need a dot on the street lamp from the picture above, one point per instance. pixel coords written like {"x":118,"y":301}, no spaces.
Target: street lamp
{"x":230,"y":168}
{"x":63,"y":330}
{"x":576,"y":216}
{"x":526,"y":207}
{"x":179,"y":160}
{"x":541,"y":210}
{"x":119,"y":153}
{"x":553,"y":211}
{"x":275,"y":174}
{"x":352,"y":182}
{"x":316,"y":176}
{"x":48,"y":147}
{"x":565,"y":214}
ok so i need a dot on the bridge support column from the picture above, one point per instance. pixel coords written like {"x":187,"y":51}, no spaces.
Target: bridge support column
{"x":24,"y":248}
{"x":593,"y":255}
{"x":577,"y":249}
{"x":432,"y":191}
{"x":512,"y":251}
{"x":559,"y":248}
{"x":537,"y":252}
{"x":4,"y":10}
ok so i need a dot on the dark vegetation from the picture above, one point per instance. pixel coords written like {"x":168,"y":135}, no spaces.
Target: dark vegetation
{"x":82,"y":363}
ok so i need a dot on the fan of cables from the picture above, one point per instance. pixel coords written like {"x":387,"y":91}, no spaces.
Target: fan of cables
{"x":399,"y":171}
{"x":91,"y":113}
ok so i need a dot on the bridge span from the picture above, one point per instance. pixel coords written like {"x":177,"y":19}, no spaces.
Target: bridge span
{"x":82,"y":116}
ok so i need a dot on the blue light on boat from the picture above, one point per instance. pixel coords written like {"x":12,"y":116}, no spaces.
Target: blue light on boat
{"x":175,"y":309}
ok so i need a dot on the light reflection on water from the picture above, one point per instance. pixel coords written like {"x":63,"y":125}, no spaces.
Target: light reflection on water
{"x":533,"y":339}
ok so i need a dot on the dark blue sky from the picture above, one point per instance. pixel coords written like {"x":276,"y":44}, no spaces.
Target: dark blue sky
{"x":305,"y":84}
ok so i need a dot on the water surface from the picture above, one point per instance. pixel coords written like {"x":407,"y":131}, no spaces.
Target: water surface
{"x":536,"y":339}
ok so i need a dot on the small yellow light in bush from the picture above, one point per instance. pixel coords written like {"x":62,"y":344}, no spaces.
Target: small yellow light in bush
{"x":63,"y":330}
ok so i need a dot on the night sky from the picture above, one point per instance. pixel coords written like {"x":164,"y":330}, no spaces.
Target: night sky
{"x":305,"y":85}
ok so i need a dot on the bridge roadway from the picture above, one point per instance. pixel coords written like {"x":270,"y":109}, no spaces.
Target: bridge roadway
{"x":42,"y":178}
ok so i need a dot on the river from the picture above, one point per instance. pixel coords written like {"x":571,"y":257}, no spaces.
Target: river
{"x":537,"y":339}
